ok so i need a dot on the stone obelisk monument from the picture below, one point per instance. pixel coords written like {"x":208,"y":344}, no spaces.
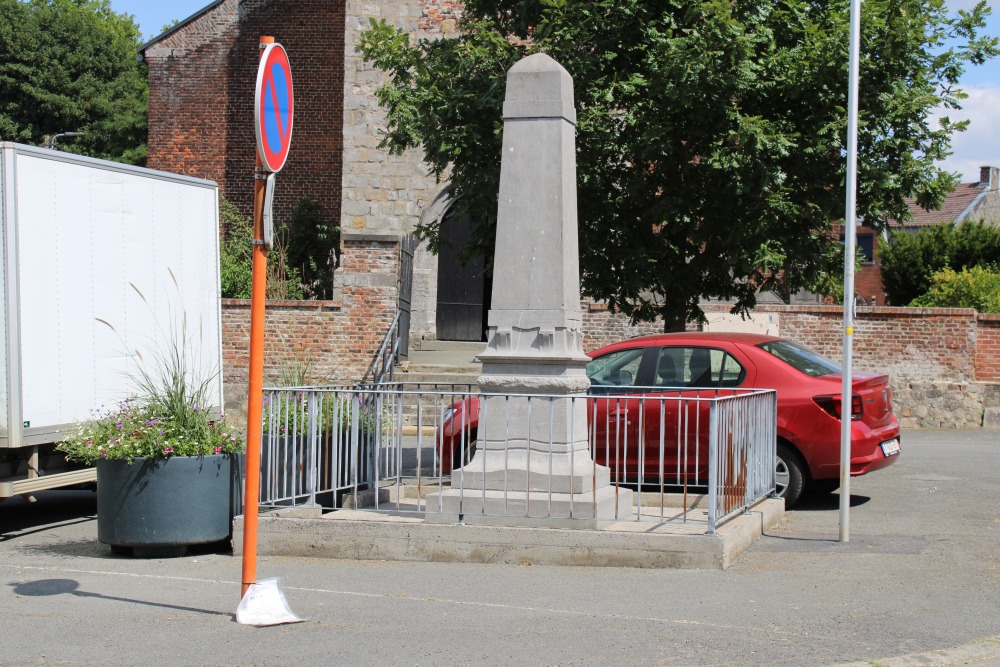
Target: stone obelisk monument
{"x":533,"y":460}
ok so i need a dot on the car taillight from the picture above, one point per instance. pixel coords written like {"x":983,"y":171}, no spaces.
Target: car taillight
{"x":831,"y":404}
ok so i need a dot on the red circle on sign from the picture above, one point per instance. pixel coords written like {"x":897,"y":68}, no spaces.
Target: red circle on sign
{"x":274,"y":107}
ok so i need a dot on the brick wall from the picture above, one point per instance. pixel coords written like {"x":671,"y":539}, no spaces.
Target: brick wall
{"x":602,"y":327}
{"x":943,"y":364}
{"x":916,"y":343}
{"x":188,"y":81}
{"x":334,"y":341}
{"x":988,"y":348}
{"x":202,"y":80}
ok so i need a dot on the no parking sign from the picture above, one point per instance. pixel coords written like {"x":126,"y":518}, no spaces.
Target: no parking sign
{"x":274,"y":106}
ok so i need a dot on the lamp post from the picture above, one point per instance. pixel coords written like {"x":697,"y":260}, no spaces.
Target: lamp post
{"x":52,"y":141}
{"x":850,"y":242}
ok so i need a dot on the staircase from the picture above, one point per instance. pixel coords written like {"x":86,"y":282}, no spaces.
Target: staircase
{"x":441,"y":362}
{"x":439,"y":367}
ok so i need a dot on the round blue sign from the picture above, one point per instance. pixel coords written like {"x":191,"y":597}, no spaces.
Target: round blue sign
{"x":274,"y":108}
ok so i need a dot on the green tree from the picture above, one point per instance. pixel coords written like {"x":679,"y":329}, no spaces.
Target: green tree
{"x":71,"y":65}
{"x":910,"y":260}
{"x":977,"y":288}
{"x":711,"y":134}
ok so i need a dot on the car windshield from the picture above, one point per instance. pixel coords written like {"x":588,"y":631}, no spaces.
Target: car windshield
{"x":800,"y":358}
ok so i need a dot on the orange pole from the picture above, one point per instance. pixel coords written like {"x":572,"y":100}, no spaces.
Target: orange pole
{"x":258,"y":302}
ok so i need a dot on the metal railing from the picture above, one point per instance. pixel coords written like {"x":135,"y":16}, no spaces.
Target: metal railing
{"x":382,"y":365}
{"x":399,"y":446}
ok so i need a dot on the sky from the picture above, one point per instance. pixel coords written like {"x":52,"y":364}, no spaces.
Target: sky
{"x":978,"y":146}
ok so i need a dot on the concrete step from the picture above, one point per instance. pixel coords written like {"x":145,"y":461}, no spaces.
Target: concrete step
{"x":427,"y":345}
{"x":649,"y":542}
{"x":443,"y":358}
{"x":440,"y":375}
{"x":449,"y":370}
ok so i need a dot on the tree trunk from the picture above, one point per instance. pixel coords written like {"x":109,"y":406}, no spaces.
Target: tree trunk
{"x":674,"y":317}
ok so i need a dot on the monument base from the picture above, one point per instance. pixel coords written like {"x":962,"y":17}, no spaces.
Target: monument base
{"x":538,"y":509}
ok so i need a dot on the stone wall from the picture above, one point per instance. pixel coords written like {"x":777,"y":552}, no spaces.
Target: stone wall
{"x":382,"y":193}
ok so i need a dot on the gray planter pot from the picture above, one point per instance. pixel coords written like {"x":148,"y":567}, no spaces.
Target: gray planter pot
{"x":160,"y":507}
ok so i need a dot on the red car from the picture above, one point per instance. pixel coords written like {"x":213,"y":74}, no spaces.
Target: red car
{"x":685,"y":365}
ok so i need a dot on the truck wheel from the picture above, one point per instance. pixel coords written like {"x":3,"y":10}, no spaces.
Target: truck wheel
{"x":790,"y":475}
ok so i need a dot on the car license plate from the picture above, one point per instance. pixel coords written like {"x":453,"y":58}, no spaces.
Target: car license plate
{"x":890,"y":447}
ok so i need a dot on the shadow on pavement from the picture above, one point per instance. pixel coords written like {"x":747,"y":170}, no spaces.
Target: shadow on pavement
{"x":825,"y":502}
{"x":46,"y":587}
{"x":51,"y":509}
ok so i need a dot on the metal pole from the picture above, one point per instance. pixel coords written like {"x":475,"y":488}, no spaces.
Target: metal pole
{"x":258,"y":296}
{"x":850,"y":241}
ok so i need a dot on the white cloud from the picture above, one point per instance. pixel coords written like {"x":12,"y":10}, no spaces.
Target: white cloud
{"x":980,"y":144}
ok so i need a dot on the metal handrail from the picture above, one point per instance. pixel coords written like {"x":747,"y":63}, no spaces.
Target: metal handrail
{"x":385,"y":359}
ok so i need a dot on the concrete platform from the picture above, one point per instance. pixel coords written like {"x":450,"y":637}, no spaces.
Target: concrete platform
{"x":661,"y":538}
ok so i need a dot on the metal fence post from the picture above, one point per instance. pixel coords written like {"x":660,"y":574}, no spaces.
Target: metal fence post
{"x":311,"y":438}
{"x":713,"y":466}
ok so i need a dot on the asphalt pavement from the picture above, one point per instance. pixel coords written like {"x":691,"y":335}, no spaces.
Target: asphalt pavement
{"x":918,"y":584}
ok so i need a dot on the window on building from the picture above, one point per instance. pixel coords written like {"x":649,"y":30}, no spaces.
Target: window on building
{"x":866,"y":246}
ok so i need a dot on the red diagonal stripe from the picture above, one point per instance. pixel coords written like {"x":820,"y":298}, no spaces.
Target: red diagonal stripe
{"x":277,"y":112}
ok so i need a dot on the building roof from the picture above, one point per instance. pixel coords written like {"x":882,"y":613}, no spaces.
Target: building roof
{"x":179,"y":25}
{"x":956,"y":206}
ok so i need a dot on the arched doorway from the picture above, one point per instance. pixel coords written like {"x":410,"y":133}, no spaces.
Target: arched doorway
{"x":463,"y":290}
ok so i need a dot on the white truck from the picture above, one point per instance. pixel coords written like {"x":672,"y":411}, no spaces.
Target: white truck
{"x":100,"y":262}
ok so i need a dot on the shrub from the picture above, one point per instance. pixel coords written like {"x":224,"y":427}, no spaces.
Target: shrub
{"x":910,"y":261}
{"x":313,"y":242}
{"x":977,"y":288}
{"x":236,"y":260}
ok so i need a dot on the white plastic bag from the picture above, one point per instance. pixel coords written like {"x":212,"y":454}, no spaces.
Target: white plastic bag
{"x":265,"y":604}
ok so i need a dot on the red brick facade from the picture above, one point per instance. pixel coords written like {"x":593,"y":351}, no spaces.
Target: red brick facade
{"x":988,"y":348}
{"x":201,"y":88}
{"x":334,"y":340}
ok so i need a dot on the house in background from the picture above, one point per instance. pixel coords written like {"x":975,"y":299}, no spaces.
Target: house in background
{"x":968,"y":201}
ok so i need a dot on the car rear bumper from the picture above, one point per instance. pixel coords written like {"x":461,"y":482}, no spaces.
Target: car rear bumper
{"x":866,"y":452}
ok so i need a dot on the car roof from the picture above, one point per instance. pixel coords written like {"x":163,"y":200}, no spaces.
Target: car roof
{"x":704,"y":337}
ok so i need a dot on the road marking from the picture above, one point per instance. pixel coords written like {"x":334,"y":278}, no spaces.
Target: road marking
{"x":398,"y":596}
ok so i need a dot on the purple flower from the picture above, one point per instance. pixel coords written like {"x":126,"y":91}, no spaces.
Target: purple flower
{"x":118,"y":426}
{"x":218,"y":450}
{"x":168,"y":450}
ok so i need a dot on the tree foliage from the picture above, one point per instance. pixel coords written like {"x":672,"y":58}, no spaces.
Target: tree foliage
{"x":910,"y":261}
{"x":236,"y":260}
{"x":978,"y":288}
{"x":312,"y":241}
{"x":72,"y":66}
{"x":711,"y":134}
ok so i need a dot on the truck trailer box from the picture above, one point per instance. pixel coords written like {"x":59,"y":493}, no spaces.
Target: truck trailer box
{"x":102,"y":263}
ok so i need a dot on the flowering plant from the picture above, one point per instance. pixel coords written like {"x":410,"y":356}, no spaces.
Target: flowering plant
{"x":170,"y":416}
{"x":136,"y":428}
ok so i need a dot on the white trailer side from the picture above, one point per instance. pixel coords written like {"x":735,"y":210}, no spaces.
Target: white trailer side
{"x":101,"y":263}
